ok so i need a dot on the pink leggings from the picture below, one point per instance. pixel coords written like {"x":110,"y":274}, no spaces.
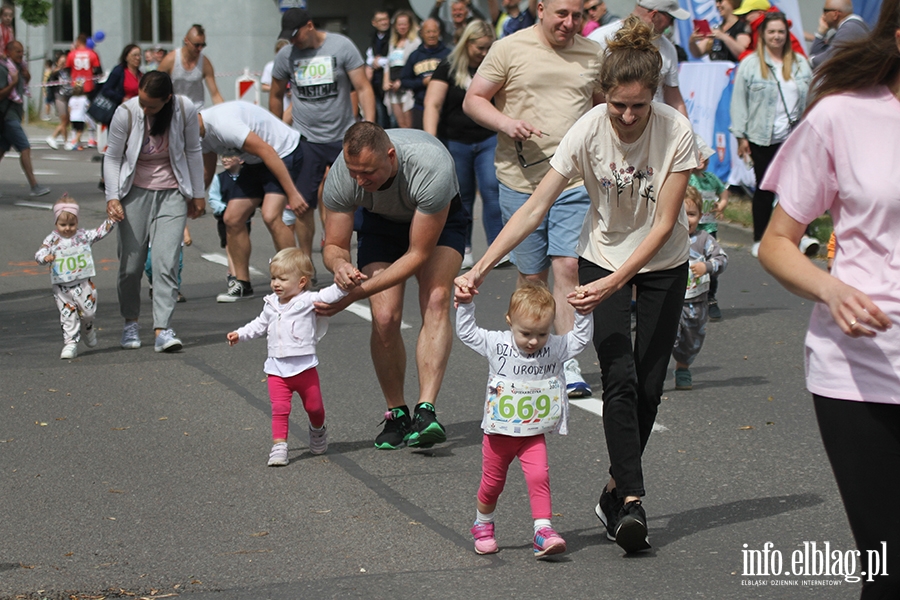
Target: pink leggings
{"x":498,"y":451}
{"x":281,"y":389}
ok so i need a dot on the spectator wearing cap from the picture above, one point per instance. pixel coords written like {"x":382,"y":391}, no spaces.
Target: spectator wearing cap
{"x":754,"y":11}
{"x":323,"y":68}
{"x":837,"y":25}
{"x":659,"y":15}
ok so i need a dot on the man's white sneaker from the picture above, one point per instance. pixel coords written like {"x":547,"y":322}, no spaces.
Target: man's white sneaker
{"x":576,"y":386}
{"x":278,"y":455}
{"x":69,"y":351}
{"x":51,"y":141}
{"x":318,"y":440}
{"x":809,"y":246}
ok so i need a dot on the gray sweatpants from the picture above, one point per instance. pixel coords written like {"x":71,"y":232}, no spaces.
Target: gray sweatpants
{"x":153,"y":217}
{"x":691,"y":330}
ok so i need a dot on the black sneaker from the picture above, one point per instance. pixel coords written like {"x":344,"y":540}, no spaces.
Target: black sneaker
{"x":237,"y":290}
{"x":631,"y":530}
{"x":426,"y":431}
{"x":607,"y":510}
{"x":396,"y":429}
{"x":715,"y":313}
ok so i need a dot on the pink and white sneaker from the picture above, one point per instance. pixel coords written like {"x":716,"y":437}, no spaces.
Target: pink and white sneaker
{"x":484,"y":538}
{"x":547,"y":542}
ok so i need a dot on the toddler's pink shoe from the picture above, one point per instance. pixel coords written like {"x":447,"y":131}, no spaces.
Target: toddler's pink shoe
{"x":484,"y":538}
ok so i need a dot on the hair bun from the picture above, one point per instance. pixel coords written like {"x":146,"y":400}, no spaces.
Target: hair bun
{"x":635,"y":35}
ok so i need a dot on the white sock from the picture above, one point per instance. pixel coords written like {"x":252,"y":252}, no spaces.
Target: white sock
{"x":539,"y":523}
{"x":481,"y":517}
{"x":317,"y":428}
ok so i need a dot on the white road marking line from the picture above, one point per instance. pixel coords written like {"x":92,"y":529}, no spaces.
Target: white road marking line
{"x":221,"y":259}
{"x":34,"y":205}
{"x":46,"y":173}
{"x":55,"y":157}
{"x":360,"y":309}
{"x":595,"y":406}
{"x":363,"y":311}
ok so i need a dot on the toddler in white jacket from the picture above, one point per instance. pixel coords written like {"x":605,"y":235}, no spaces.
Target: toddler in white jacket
{"x":290,"y":322}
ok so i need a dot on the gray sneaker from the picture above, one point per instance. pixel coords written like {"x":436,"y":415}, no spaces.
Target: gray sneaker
{"x":167,"y":341}
{"x":90,"y":338}
{"x":39,"y":190}
{"x":318,"y":440}
{"x":131,"y":339}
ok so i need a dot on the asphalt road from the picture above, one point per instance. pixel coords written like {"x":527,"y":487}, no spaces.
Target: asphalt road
{"x":133,"y":473}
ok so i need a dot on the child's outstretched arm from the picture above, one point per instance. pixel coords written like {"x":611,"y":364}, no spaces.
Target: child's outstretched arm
{"x":581,"y":335}
{"x":95,"y":235}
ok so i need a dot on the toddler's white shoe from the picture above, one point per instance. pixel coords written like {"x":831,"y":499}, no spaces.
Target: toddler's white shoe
{"x":90,"y":338}
{"x":69,"y":351}
{"x":318,"y":440}
{"x":278,"y":455}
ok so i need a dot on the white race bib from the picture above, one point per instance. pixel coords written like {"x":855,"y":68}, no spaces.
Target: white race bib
{"x":523,"y":408}
{"x":696,"y":285}
{"x":318,"y":70}
{"x":75,"y":262}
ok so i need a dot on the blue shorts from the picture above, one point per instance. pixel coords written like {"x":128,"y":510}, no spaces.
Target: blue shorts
{"x":13,"y":136}
{"x":256,"y":180}
{"x":558,"y":233}
{"x":385,"y":241}
{"x":316,"y":159}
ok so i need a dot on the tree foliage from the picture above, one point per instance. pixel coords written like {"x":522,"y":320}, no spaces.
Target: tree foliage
{"x":35,"y":12}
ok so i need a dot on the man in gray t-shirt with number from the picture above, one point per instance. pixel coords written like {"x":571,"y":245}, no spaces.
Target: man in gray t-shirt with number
{"x":413,"y":224}
{"x":323,"y":69}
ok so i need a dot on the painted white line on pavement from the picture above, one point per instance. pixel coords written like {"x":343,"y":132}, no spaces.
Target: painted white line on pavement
{"x":34,"y":205}
{"x":46,"y":173}
{"x":363,"y":311}
{"x":595,"y":406}
{"x":221,"y":259}
{"x":360,"y":309}
{"x":55,"y":157}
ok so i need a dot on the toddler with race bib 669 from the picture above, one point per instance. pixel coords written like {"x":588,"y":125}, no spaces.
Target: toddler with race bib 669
{"x":525,"y":398}
{"x":68,"y":250}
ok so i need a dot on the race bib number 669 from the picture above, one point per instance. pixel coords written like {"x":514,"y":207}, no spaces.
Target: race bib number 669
{"x":523,"y":408}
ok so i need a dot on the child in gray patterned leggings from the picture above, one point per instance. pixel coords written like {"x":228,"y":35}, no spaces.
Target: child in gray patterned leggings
{"x":707,"y":259}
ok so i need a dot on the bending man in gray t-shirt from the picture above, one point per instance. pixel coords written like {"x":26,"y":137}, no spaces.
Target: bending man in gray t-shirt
{"x":413,"y":224}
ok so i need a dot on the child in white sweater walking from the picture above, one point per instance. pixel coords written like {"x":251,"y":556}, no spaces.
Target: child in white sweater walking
{"x":289,"y":321}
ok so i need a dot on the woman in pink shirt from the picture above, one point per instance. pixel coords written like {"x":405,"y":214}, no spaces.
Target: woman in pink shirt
{"x":841,"y":159}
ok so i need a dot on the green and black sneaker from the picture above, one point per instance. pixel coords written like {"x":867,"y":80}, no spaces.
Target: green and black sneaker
{"x":396,"y":429}
{"x":426,"y":431}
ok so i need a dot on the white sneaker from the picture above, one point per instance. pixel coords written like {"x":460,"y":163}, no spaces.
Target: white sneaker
{"x":809,"y":246}
{"x":51,"y":141}
{"x":278,"y":455}
{"x":318,"y":440}
{"x":39,"y":190}
{"x":69,"y":351}
{"x":468,"y":260}
{"x":576,"y":386}
{"x":167,"y":341}
{"x":131,"y":339}
{"x":69,"y":146}
{"x":754,"y":251}
{"x":90,"y":338}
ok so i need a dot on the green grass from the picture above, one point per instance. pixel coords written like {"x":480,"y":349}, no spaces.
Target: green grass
{"x":739,"y":211}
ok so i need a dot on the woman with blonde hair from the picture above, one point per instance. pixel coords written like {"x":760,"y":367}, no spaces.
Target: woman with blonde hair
{"x":635,"y":156}
{"x":834,"y":162}
{"x":404,"y":39}
{"x":769,"y":96}
{"x":471,"y":145}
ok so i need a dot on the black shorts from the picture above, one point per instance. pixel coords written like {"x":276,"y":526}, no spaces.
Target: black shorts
{"x":383,"y":240}
{"x":220,"y":227}
{"x":77,"y":125}
{"x":316,"y":158}
{"x":256,"y":180}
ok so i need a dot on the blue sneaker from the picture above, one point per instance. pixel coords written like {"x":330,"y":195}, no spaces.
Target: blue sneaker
{"x":167,"y":342}
{"x":576,"y":386}
{"x":131,"y":339}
